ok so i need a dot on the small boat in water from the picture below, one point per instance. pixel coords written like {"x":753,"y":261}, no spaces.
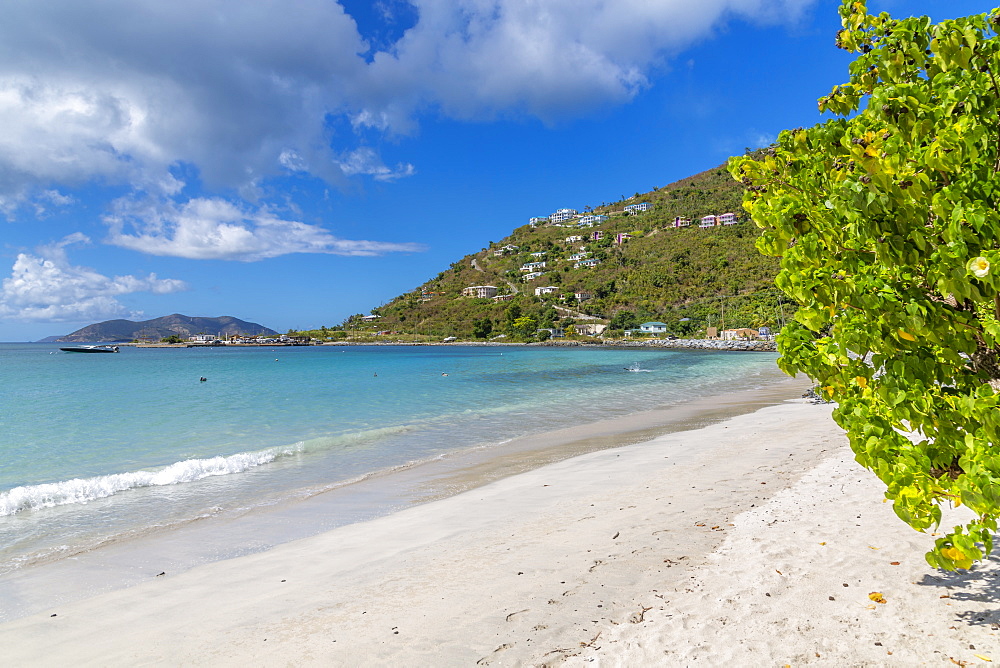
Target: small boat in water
{"x":90,"y":349}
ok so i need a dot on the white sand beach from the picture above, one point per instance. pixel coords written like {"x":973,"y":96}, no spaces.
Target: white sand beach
{"x":754,"y":541}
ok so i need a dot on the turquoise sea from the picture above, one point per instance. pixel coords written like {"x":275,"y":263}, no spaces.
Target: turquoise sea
{"x":95,"y":449}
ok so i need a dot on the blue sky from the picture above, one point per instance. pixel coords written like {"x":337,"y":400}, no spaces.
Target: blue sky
{"x":291,"y":168}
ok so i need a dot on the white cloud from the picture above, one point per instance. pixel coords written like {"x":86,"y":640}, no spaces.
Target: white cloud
{"x":364,"y":160}
{"x":46,"y":287}
{"x":548,"y":58}
{"x":217,"y":229}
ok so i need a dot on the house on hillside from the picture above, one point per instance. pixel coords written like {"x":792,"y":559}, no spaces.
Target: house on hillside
{"x":635,"y":209}
{"x":597,"y":235}
{"x":576,"y":257}
{"x":592,"y":262}
{"x":545,"y":290}
{"x":728,"y":219}
{"x":536,"y":221}
{"x":591,"y":220}
{"x":710,"y":220}
{"x":504,"y":298}
{"x":369,"y":318}
{"x":539,"y":254}
{"x":681,"y":221}
{"x":532,"y":266}
{"x":562,"y":215}
{"x":583,"y":296}
{"x":480,"y":291}
{"x":533,"y":275}
{"x":622,"y":237}
{"x":573,"y":239}
{"x":504,"y":250}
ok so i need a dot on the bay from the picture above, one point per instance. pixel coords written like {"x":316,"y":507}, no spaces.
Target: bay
{"x":96,"y":449}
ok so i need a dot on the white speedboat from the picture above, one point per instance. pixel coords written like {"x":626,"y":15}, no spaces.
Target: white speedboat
{"x":90,"y":349}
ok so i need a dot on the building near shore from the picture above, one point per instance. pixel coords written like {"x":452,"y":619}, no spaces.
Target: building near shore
{"x":741,"y":334}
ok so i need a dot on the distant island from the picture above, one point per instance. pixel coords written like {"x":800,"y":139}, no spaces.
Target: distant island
{"x":175,"y":325}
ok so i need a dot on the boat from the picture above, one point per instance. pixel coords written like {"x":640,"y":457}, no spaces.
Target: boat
{"x":90,"y":349}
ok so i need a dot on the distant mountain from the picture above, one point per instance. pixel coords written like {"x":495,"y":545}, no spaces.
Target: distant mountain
{"x":158,"y":328}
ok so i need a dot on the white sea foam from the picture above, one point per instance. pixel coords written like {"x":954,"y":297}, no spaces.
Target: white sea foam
{"x":82,"y":490}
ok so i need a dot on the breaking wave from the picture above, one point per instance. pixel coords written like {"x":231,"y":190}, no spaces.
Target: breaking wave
{"x":82,"y":490}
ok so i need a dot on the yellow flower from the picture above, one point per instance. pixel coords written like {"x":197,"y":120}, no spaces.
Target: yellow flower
{"x":979,"y":266}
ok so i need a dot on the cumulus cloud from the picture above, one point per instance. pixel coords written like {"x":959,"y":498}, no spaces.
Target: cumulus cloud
{"x":46,"y":287}
{"x":549,"y":58}
{"x":217,"y":229}
{"x":122,"y":91}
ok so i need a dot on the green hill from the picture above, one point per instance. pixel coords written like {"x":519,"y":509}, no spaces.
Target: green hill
{"x":687,"y":277}
{"x":158,"y":328}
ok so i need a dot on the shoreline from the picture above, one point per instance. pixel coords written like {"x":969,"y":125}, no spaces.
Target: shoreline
{"x":129,"y":561}
{"x":678,"y":344}
{"x":734,"y":542}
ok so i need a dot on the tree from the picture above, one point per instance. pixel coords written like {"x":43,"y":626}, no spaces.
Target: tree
{"x":524,"y":327}
{"x":624,"y":320}
{"x":482,"y":328}
{"x":887,"y":220}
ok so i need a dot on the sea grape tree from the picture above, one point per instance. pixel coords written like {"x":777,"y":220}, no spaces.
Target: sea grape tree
{"x":887,"y":222}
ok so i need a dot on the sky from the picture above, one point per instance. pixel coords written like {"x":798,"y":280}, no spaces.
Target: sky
{"x":292,"y":164}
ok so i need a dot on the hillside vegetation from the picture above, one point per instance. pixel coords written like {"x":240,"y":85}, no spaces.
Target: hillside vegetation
{"x":689,"y":278}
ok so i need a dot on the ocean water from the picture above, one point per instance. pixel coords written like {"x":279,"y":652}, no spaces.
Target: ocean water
{"x":99,"y":448}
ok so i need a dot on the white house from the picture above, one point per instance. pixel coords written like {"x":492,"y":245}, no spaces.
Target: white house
{"x":743,"y":334}
{"x":573,"y":239}
{"x":576,"y":257}
{"x":503,"y":250}
{"x":536,"y":221}
{"x":369,"y":318}
{"x":562,"y":215}
{"x":633,"y":209}
{"x":532,"y":266}
{"x":592,"y":262}
{"x":590,"y":328}
{"x":709,"y":221}
{"x":533,"y":275}
{"x":728,"y":219}
{"x":591,"y":220}
{"x":583,"y":296}
{"x":539,"y":254}
{"x":545,"y":290}
{"x":480,"y":291}
{"x":653,"y":328}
